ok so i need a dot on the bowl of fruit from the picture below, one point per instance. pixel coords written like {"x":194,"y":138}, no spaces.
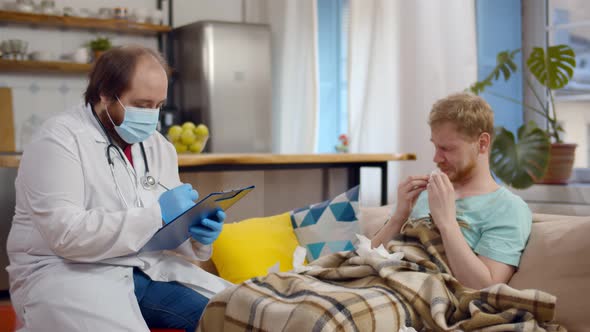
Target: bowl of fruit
{"x":188,"y":138}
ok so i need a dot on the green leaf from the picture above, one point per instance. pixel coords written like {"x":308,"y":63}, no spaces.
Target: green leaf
{"x":519,"y":163}
{"x":505,"y":66}
{"x":506,"y":72}
{"x":560,"y":128}
{"x":478,"y":87}
{"x":512,"y":65}
{"x":100,"y":44}
{"x":553,"y":68}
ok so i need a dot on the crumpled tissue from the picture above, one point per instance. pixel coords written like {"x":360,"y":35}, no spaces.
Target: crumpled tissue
{"x":434,"y":171}
{"x":298,"y":259}
{"x":364,"y":249}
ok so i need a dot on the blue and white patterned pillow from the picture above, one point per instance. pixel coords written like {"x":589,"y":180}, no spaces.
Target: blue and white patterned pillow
{"x":329,"y":226}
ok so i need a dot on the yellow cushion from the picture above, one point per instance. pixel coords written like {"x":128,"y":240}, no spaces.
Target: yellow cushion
{"x":249,"y":248}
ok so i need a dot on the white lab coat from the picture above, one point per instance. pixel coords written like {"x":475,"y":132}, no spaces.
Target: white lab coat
{"x":73,"y":243}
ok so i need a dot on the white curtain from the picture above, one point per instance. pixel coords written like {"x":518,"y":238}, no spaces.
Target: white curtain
{"x":404,"y":55}
{"x":295,"y":79}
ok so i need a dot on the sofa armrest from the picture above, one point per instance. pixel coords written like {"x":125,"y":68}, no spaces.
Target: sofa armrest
{"x":371,"y":219}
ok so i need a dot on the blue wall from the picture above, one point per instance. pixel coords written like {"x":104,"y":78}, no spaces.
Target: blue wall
{"x":332,"y":73}
{"x":499,"y":28}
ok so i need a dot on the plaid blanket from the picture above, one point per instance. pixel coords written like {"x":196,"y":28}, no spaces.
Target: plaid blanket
{"x":348,"y":292}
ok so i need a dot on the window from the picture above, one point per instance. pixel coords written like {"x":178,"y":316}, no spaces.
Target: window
{"x":568,"y":22}
{"x":333,"y":72}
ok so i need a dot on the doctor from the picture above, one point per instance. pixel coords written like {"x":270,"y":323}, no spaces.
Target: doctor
{"x":89,"y":194}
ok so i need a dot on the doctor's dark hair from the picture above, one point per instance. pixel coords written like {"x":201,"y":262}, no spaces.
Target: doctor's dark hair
{"x":470,"y":113}
{"x":112,"y":72}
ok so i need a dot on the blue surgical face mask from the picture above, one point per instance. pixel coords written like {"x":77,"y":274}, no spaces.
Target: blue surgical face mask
{"x":138,"y":123}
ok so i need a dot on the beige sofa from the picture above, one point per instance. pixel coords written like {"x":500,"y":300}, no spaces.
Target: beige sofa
{"x":556,"y":260}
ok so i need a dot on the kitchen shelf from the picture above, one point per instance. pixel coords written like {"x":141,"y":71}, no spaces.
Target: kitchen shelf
{"x":44,"y":66}
{"x":81,"y":22}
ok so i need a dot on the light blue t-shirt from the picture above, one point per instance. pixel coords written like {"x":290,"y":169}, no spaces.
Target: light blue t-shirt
{"x":499,"y":223}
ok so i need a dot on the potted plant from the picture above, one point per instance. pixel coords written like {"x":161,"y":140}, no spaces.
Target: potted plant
{"x":99,"y":46}
{"x":342,"y":147}
{"x":537,"y":155}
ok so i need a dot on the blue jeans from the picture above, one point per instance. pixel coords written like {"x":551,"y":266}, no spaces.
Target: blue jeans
{"x":168,"y":304}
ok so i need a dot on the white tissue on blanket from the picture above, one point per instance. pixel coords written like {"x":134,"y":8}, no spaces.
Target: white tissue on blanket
{"x":364,"y":249}
{"x":407,"y":329}
{"x":298,"y":259}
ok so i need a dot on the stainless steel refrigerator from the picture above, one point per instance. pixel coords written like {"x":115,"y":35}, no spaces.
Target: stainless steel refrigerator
{"x":224,"y":81}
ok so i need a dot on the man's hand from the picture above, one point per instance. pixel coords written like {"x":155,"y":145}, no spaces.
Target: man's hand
{"x":177,"y":200}
{"x":441,"y":200}
{"x":407,"y":194}
{"x":207,"y":230}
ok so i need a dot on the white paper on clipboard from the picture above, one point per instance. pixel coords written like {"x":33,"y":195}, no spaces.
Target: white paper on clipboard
{"x":176,"y":232}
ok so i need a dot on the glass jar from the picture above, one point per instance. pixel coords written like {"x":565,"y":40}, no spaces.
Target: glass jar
{"x":120,"y":13}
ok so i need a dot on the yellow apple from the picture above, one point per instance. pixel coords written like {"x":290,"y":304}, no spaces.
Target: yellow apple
{"x":180,"y":148}
{"x":187,"y":137}
{"x":201,"y":131}
{"x":174,"y":133}
{"x":188,"y":125}
{"x":196,"y":147}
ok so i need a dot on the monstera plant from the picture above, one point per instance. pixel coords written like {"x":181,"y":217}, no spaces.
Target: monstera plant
{"x":526,"y":159}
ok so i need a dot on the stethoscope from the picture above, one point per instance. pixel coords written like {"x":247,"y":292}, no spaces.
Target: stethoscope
{"x":147,"y":181}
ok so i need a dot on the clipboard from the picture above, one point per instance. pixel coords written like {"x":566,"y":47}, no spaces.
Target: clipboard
{"x":176,"y":232}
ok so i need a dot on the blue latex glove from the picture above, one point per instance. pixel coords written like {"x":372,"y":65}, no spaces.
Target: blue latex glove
{"x":207,"y":230}
{"x":177,"y":200}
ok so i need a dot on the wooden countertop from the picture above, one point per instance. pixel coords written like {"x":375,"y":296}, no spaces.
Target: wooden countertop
{"x":13,"y":159}
{"x":271,"y":159}
{"x":9,"y":159}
